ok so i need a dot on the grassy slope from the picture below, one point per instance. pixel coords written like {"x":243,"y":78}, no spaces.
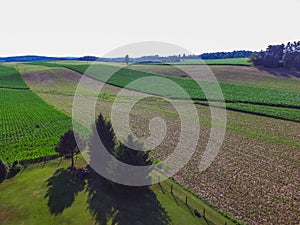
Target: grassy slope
{"x":40,"y":197}
{"x":263,"y":143}
{"x":10,"y":78}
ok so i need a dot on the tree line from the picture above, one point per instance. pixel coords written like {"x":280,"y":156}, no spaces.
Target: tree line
{"x":227,"y":55}
{"x":275,"y":56}
{"x":68,"y":147}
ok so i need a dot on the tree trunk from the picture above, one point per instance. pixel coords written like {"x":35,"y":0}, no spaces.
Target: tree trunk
{"x":72,"y":158}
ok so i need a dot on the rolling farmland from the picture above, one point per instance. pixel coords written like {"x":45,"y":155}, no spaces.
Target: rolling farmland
{"x":265,"y":144}
{"x":255,"y":175}
{"x":31,"y":128}
{"x":233,"y":93}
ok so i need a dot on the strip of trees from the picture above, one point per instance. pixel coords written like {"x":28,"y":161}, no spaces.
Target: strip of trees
{"x":227,"y":55}
{"x":275,"y":56}
{"x":103,"y":129}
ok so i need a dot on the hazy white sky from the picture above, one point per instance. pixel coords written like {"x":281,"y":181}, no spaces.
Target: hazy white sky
{"x":95,"y":27}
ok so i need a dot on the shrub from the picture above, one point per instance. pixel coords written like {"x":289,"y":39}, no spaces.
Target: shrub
{"x":3,"y":170}
{"x":14,"y":169}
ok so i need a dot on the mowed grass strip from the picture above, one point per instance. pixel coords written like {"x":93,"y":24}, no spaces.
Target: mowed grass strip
{"x":49,"y":193}
{"x":30,"y":127}
{"x":11,"y":78}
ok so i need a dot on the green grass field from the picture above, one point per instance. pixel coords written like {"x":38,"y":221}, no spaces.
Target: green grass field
{"x":48,"y":193}
{"x":9,"y":78}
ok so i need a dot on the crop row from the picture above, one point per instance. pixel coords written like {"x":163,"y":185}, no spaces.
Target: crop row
{"x":29,"y":127}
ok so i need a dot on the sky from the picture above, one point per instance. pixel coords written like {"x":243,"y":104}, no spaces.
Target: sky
{"x":96,"y":27}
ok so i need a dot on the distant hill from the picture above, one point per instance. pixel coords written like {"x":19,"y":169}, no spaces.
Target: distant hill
{"x":32,"y":58}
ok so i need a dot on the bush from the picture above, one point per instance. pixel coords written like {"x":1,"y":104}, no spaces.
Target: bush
{"x":256,"y":59}
{"x":14,"y":169}
{"x":3,"y":170}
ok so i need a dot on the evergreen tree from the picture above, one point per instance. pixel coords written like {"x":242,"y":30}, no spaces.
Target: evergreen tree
{"x":67,"y":145}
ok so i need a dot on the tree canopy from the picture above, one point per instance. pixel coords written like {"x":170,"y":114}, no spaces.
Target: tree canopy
{"x":287,"y":56}
{"x":67,"y":145}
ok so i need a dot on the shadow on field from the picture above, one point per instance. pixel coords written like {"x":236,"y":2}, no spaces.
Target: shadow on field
{"x":280,"y":72}
{"x":62,"y":188}
{"x":123,"y":205}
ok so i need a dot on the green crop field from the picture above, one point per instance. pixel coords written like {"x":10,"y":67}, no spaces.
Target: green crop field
{"x":10,"y":78}
{"x":30,"y":127}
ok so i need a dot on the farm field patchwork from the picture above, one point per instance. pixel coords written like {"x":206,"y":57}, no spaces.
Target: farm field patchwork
{"x":255,"y":173}
{"x":234,"y":94}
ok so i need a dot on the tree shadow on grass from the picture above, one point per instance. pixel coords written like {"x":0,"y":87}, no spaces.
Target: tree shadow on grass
{"x":133,"y":206}
{"x":62,"y":189}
